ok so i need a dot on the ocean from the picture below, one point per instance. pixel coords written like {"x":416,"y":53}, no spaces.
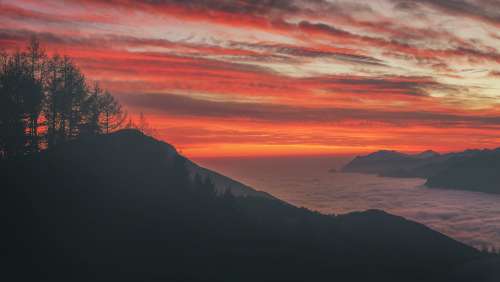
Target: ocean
{"x":470,"y":217}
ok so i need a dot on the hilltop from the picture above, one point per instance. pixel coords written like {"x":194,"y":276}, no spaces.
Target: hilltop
{"x":127,"y":207}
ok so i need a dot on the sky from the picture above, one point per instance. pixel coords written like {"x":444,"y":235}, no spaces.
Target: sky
{"x":285,"y":77}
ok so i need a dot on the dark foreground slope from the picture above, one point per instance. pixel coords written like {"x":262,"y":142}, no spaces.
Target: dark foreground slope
{"x":121,"y":208}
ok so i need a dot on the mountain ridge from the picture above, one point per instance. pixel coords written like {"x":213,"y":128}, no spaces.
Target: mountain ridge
{"x":441,"y":170}
{"x":123,"y":207}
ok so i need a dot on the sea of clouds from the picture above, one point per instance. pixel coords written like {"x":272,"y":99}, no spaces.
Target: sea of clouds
{"x":470,"y":217}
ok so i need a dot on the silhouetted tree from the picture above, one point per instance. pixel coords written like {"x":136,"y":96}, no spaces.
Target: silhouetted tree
{"x":37,"y":62}
{"x":34,"y":88}
{"x":17,"y":103}
{"x":52,"y":99}
{"x":179,"y":169}
{"x":3,"y":64}
{"x":75,"y":95}
{"x":144,"y":126}
{"x":130,"y":124}
{"x":112,"y":113}
{"x":197,"y":182}
{"x":228,"y":194}
{"x":208,"y":188}
{"x":228,"y":198}
{"x":66,"y":96}
{"x":92,"y":111}
{"x":203,"y":186}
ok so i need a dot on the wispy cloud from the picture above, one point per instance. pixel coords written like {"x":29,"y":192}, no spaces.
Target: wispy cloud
{"x":376,"y":65}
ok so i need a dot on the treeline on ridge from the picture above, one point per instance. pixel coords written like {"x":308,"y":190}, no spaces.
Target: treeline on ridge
{"x":45,"y":101}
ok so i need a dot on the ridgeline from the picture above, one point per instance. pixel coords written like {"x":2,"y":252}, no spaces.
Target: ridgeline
{"x":127,"y":207}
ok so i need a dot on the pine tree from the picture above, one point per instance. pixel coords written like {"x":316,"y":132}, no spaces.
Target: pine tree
{"x":52,"y":100}
{"x":92,"y":110}
{"x":112,"y":114}
{"x":37,"y":62}
{"x":35,"y":88}
{"x":16,"y":104}
{"x":65,"y":100}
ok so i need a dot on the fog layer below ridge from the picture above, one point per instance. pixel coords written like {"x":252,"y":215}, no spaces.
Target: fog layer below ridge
{"x":473,"y":218}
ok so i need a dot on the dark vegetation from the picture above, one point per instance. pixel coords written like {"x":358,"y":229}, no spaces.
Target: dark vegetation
{"x":122,"y":207}
{"x":45,"y":101}
{"x":474,"y":170}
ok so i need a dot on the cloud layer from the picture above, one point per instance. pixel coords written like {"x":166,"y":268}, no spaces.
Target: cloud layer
{"x":350,"y":75}
{"x":473,"y":218}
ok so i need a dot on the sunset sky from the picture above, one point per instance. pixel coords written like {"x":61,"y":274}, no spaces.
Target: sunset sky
{"x":263,"y":77}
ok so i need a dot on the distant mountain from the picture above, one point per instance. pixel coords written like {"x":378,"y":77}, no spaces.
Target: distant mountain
{"x":125,"y":207}
{"x":476,"y":170}
{"x":395,"y":164}
{"x":427,"y":155}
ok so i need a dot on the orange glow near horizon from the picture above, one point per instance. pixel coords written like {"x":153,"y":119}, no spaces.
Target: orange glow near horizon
{"x":249,"y":78}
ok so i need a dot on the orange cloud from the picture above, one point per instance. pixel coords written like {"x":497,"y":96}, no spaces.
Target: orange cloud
{"x":290,"y":77}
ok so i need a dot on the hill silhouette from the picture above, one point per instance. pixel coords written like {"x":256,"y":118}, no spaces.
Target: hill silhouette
{"x":478,"y":172}
{"x":127,"y":207}
{"x":474,"y":170}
